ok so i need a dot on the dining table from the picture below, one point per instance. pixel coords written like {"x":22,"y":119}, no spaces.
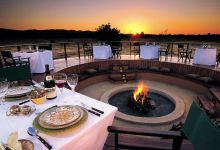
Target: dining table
{"x":102,"y":52}
{"x":205,"y":56}
{"x":92,"y":134}
{"x":149,"y":51}
{"x":38,"y":59}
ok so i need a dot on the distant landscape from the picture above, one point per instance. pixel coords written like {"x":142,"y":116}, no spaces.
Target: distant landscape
{"x":9,"y":36}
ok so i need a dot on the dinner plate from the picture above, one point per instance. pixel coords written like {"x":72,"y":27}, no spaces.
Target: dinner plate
{"x":48,"y":126}
{"x":63,"y":131}
{"x":18,"y":91}
{"x":60,"y":117}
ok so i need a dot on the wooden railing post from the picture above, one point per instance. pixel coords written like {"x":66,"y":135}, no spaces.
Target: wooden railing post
{"x":187,"y":48}
{"x":130,"y":47}
{"x":65,"y":53}
{"x":171,"y":50}
{"x":78,"y":49}
{"x":18,"y":48}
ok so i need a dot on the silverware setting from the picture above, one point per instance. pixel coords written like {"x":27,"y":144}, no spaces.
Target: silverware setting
{"x":95,"y":109}
{"x":33,"y":132}
{"x":91,"y":109}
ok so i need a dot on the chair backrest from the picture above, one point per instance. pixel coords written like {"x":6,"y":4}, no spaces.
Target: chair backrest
{"x":7,"y":57}
{"x":16,"y":73}
{"x":200,"y":130}
{"x":218,"y":56}
{"x":180,"y":46}
{"x":115,"y":45}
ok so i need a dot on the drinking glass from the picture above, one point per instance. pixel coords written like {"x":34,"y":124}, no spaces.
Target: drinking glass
{"x":60,"y":80}
{"x":3,"y":89}
{"x":72,"y":80}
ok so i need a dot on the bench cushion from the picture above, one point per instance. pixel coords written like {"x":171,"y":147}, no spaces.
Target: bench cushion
{"x":206,"y":79}
{"x":154,"y":68}
{"x":192,"y":75}
{"x":91,"y":71}
{"x":165,"y":69}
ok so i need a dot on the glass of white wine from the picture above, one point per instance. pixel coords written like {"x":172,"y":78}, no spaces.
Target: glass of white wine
{"x":72,"y":80}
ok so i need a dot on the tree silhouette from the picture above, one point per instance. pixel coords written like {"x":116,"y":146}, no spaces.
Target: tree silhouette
{"x":106,"y":33}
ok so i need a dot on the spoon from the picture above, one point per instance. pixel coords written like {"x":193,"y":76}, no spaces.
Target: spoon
{"x":33,"y":132}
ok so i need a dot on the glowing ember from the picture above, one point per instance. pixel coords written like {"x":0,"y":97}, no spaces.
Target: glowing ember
{"x":140,"y":90}
{"x":139,"y":101}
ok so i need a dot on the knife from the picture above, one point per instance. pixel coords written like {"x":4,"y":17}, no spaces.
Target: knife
{"x":23,"y":102}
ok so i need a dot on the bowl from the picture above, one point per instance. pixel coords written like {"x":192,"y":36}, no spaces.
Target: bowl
{"x":37,"y":96}
{"x":38,"y":100}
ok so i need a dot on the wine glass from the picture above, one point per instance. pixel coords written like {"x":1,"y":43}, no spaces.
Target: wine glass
{"x":3,"y":89}
{"x":72,"y":80}
{"x":60,"y":80}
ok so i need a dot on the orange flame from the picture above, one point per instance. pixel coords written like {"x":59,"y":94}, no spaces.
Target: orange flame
{"x":141,"y":89}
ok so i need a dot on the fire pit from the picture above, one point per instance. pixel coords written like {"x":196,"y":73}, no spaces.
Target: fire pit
{"x":151,"y":107}
{"x":139,"y":101}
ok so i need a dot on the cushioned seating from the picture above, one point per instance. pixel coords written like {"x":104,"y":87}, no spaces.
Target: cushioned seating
{"x":143,"y":68}
{"x":154,"y":68}
{"x":101,"y":70}
{"x":91,"y":71}
{"x":165,"y":69}
{"x":206,"y":79}
{"x":192,"y":75}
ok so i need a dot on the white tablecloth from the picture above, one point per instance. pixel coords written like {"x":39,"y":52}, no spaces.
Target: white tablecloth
{"x":102,"y":52}
{"x":205,"y":56}
{"x":90,"y":136}
{"x":149,"y":52}
{"x":38,"y":60}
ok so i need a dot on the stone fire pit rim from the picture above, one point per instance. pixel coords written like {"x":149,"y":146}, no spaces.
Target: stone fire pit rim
{"x":174,"y":115}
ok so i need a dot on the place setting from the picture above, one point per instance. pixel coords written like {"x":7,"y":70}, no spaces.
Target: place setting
{"x":17,"y":93}
{"x":60,"y":120}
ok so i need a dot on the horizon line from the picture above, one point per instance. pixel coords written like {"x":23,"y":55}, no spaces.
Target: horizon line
{"x":120,"y":33}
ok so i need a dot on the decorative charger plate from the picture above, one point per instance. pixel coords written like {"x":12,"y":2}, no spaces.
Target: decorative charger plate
{"x":18,"y":91}
{"x":62,"y":131}
{"x":60,"y":117}
{"x":10,"y":99}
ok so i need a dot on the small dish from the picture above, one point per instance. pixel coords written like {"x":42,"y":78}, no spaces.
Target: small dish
{"x":20,"y":110}
{"x":27,"y":144}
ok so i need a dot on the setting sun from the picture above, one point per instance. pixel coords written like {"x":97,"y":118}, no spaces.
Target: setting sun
{"x":135,"y":28}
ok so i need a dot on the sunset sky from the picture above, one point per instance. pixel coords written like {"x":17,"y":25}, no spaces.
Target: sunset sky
{"x":129,"y":16}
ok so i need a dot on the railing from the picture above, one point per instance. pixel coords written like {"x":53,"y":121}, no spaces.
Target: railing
{"x":69,"y":49}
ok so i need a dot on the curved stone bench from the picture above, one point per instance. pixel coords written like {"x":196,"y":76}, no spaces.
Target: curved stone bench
{"x":178,"y":70}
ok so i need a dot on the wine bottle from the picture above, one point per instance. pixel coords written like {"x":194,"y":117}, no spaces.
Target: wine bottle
{"x":49,"y":84}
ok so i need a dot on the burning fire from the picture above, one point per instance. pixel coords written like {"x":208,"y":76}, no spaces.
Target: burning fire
{"x":140,"y":90}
